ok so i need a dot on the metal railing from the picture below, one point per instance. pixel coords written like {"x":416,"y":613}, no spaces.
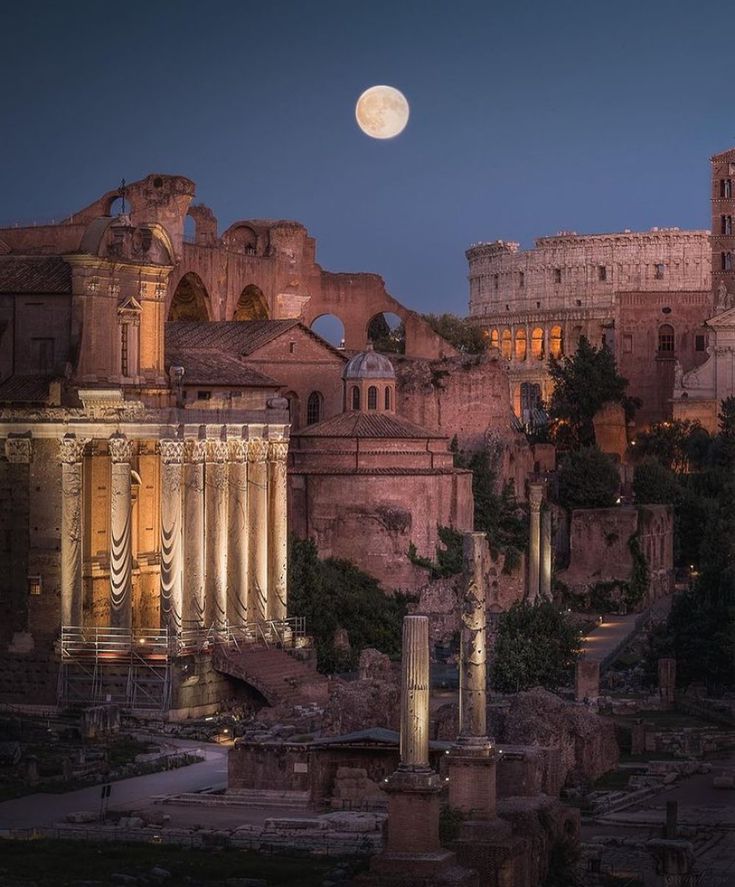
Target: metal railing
{"x":285,"y":633}
{"x":108,"y":642}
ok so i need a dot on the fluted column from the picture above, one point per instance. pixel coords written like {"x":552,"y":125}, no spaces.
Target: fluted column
{"x":194,"y":533}
{"x":535,"y":496}
{"x":71,"y":453}
{"x":545,"y":582}
{"x":415,"y":694}
{"x":172,"y":566}
{"x":237,"y":551}
{"x":258,"y":543}
{"x":473,"y":654}
{"x":121,"y":554}
{"x":215,"y":505}
{"x":278,"y":530}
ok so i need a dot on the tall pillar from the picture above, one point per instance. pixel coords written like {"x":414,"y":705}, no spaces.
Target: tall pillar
{"x":121,"y":553}
{"x":278,"y":531}
{"x":545,"y":581}
{"x":193,"y":603}
{"x":471,"y":762}
{"x":172,"y":566}
{"x":415,"y":694}
{"x":15,"y":561}
{"x":215,"y":506}
{"x":535,"y":497}
{"x":258,"y":542}
{"x":237,"y":551}
{"x":71,"y":453}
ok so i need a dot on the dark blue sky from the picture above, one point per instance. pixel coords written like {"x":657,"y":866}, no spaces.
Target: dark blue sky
{"x":526,"y":118}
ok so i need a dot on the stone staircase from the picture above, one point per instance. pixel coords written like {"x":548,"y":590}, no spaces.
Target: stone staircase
{"x":246,"y":797}
{"x":273,"y":673}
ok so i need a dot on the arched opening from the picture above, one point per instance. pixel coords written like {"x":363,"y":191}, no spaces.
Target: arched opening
{"x":507,"y":345}
{"x":387,"y":332}
{"x":494,"y":339}
{"x":666,"y":342}
{"x":372,"y":398}
{"x":190,"y":229}
{"x":244,"y":239}
{"x":251,"y":305}
{"x":117,"y":205}
{"x":387,"y":398}
{"x":520,"y":344}
{"x":556,"y":345}
{"x":355,"y":397}
{"x":191,"y":300}
{"x":314,"y":408}
{"x":330,"y":328}
{"x":537,"y":343}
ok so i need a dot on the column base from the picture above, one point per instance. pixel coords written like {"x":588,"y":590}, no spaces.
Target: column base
{"x":472,"y":790}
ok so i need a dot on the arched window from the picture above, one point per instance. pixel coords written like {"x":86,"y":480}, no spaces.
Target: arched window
{"x":313,"y":408}
{"x":537,"y":344}
{"x":507,"y":347}
{"x":556,"y":346}
{"x":520,"y":344}
{"x":387,"y":398}
{"x":355,"y":397}
{"x":666,"y":339}
{"x":372,"y":398}
{"x":494,"y":339}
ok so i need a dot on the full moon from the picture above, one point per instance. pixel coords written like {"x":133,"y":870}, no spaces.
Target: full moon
{"x":382,"y":112}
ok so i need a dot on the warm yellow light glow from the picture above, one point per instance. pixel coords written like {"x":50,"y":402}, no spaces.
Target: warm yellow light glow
{"x":382,"y":112}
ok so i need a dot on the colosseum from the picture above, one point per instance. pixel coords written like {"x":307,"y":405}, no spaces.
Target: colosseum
{"x":644,"y":295}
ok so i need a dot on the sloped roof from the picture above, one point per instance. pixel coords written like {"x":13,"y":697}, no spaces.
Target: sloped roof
{"x":24,"y":389}
{"x":207,"y":366}
{"x":373,"y":735}
{"x":30,"y":274}
{"x":355,"y":423}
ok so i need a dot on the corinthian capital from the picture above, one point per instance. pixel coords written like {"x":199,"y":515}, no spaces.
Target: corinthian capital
{"x":172,"y":451}
{"x":238,"y":449}
{"x":71,"y":449}
{"x":277,"y":450}
{"x":257,"y":450}
{"x":194,"y":450}
{"x":121,"y":449}
{"x":18,"y":450}
{"x":535,"y":495}
{"x":216,"y":451}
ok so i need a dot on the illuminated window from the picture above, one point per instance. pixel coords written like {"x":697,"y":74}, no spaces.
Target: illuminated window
{"x":507,"y":345}
{"x":387,"y":398}
{"x":372,"y":398}
{"x":666,"y":339}
{"x":494,"y":339}
{"x":556,"y":345}
{"x":537,"y":344}
{"x":658,"y":270}
{"x":34,"y":585}
{"x":355,"y":398}
{"x":313,"y":408}
{"x":520,"y":344}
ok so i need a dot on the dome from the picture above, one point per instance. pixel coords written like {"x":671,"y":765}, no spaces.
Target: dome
{"x":368,"y":364}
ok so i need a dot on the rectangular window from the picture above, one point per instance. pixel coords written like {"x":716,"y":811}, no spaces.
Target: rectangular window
{"x":204,"y":395}
{"x":521,"y":279}
{"x":658,"y":270}
{"x":557,"y":275}
{"x":602,"y":273}
{"x":34,"y":585}
{"x":726,"y":225}
{"x":124,"y":366}
{"x":700,"y":342}
{"x":627,"y":343}
{"x":726,"y":188}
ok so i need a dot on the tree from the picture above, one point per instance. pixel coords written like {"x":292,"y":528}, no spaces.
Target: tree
{"x":679,"y":445}
{"x":537,"y":645}
{"x":385,"y":339}
{"x":449,"y":558}
{"x":588,"y":479}
{"x":583,"y":384}
{"x":465,"y":335}
{"x":333,"y":594}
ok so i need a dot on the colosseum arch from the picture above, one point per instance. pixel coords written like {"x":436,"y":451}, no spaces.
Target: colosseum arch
{"x":191,"y":299}
{"x":251,"y":305}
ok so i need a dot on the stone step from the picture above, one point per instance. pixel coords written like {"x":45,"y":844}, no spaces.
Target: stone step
{"x":288,"y":800}
{"x":275,"y":674}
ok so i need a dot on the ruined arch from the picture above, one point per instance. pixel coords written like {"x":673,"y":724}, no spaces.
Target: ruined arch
{"x":331,"y":328}
{"x":251,"y":305}
{"x":387,"y":331}
{"x":191,"y":299}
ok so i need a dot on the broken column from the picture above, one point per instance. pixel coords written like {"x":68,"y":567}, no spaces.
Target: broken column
{"x":413,"y":849}
{"x":535,"y":497}
{"x":667,"y":681}
{"x":472,"y":759}
{"x":545,"y":580}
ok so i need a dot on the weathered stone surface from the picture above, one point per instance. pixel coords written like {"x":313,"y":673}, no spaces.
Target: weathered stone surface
{"x":356,"y":705}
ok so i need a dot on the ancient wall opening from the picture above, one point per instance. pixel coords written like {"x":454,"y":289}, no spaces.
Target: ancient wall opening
{"x":191,"y":299}
{"x":251,"y":305}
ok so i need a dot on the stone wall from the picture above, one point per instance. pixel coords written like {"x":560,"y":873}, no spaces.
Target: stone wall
{"x":198,"y":689}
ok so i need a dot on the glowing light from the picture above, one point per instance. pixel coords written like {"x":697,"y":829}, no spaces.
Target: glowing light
{"x":382,"y":112}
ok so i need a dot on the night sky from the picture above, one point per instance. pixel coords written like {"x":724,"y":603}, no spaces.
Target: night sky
{"x":526,"y":118}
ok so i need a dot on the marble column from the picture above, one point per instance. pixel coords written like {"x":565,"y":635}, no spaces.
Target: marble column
{"x":71,"y":454}
{"x":535,"y":497}
{"x":172,"y":566}
{"x":194,"y":533}
{"x":415,"y":694}
{"x":278,"y":531}
{"x":215,"y":507}
{"x":545,"y":581}
{"x":121,"y":552}
{"x":258,"y":529}
{"x":237,"y":551}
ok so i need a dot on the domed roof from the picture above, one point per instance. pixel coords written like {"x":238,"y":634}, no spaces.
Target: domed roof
{"x":368,"y":364}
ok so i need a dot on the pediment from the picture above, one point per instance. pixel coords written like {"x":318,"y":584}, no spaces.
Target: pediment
{"x":723,"y":320}
{"x":130,"y":304}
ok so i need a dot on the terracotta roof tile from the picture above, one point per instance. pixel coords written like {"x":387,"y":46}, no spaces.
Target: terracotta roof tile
{"x":24,"y":389}
{"x":368,"y":425}
{"x":238,"y":337}
{"x":207,"y":366}
{"x":25,"y":274}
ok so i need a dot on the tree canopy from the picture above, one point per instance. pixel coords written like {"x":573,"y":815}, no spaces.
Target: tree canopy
{"x":465,"y":335}
{"x":588,"y":479}
{"x":583,"y":384}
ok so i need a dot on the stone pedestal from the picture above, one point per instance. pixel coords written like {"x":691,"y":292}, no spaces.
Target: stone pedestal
{"x":586,"y":679}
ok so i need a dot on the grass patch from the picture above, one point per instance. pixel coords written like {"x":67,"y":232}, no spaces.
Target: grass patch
{"x":49,"y":863}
